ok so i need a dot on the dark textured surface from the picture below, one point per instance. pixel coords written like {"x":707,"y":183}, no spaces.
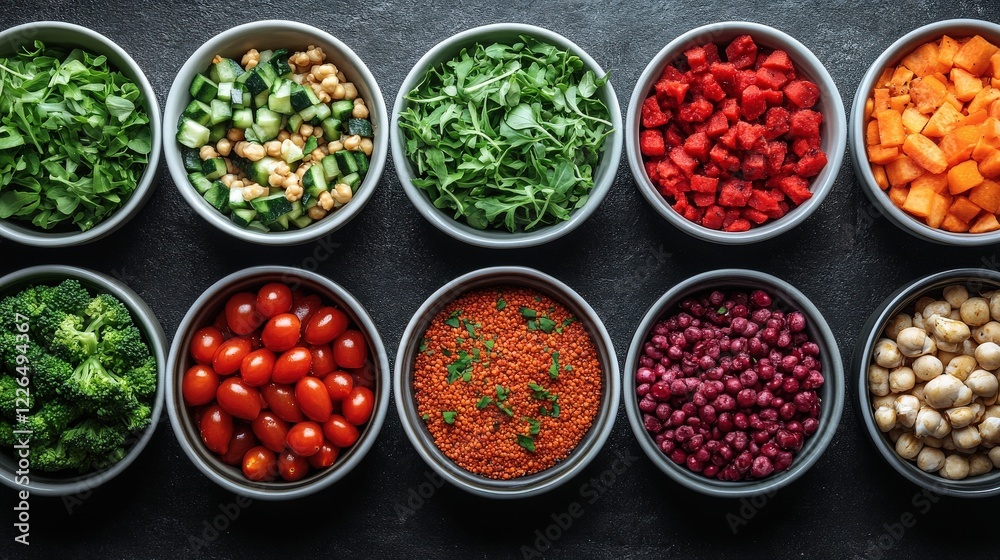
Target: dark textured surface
{"x":845,"y":257}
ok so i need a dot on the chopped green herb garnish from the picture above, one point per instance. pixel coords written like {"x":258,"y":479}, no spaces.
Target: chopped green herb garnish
{"x":568,"y":367}
{"x":526,"y":442}
{"x":446,"y":352}
{"x":554,"y":368}
{"x":452,"y":320}
{"x":546,"y":325}
{"x":449,"y":416}
{"x":569,"y":321}
{"x":484,"y":402}
{"x":423,"y":345}
{"x":467,"y":376}
{"x":554,"y":413}
{"x":722,"y":311}
{"x":460,"y":367}
{"x":489,"y":344}
{"x":540,"y":393}
{"x":502,"y":393}
{"x":425,"y":417}
{"x":471,"y":327}
{"x":528,"y":313}
{"x":506,"y":409}
{"x":534,"y":425}
{"x":501,"y":304}
{"x":475,"y":354}
{"x":459,"y":340}
{"x":538,"y":298}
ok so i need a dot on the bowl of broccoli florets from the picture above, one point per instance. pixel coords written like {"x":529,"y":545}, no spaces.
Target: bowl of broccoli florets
{"x":81,"y":378}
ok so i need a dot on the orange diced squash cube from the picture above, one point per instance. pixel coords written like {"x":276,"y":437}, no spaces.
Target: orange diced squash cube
{"x":869,"y":107}
{"x":913,"y":120}
{"x":947,"y":50}
{"x":995,"y":65}
{"x":919,"y":202}
{"x":974,"y":56}
{"x":991,"y":128}
{"x":926,"y":153}
{"x":881,"y":99}
{"x":885,"y":77}
{"x":973,"y":119}
{"x":954,"y":225}
{"x":882,"y":155}
{"x":939,"y":208}
{"x":890,"y":128}
{"x":982,"y":150}
{"x":963,"y":209}
{"x":927,"y":94}
{"x":902,"y":170}
{"x":985,"y":223}
{"x":943,"y":121}
{"x":881,"y":179}
{"x":958,"y":144}
{"x":899,"y":103}
{"x":983,"y":99}
{"x":923,"y":60}
{"x":986,"y":196}
{"x":963,"y":177}
{"x":995,"y":107}
{"x":950,"y":99}
{"x":966,"y":85}
{"x":899,"y":84}
{"x":871,"y":134}
{"x":937,"y":182}
{"x":898,"y":195}
{"x":990,"y":166}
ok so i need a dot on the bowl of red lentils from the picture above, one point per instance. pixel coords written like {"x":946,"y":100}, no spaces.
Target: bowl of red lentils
{"x":506,"y":382}
{"x":734,"y":385}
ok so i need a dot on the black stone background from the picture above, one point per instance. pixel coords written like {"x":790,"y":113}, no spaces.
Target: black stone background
{"x":846,"y":257}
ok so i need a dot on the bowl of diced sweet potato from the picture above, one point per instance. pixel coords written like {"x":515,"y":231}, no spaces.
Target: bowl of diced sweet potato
{"x":925,"y":132}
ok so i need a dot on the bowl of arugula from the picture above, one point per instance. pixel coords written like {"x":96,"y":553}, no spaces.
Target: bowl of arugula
{"x":79,"y":155}
{"x":506,"y":136}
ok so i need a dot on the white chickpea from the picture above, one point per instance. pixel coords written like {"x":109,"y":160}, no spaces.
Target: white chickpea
{"x":292,"y":180}
{"x":966,"y":438}
{"x":969,"y":347}
{"x":360,"y":111}
{"x":326,"y":201}
{"x":305,"y":130}
{"x":956,"y":467}
{"x":930,"y":459}
{"x":254,"y":152}
{"x":342,"y":193}
{"x":994,"y":456}
{"x":885,"y":418}
{"x":934,"y":309}
{"x":317,"y":212}
{"x":273,"y":148}
{"x":294,"y":192}
{"x":960,"y":367}
{"x":250,"y":59}
{"x":224,"y":147}
{"x":949,"y":330}
{"x":335,"y":146}
{"x":946,"y":391}
{"x":930,"y":423}
{"x":906,"y":407}
{"x":367,"y":146}
{"x":298,"y":140}
{"x":901,"y":379}
{"x":988,"y":355}
{"x":237,"y":184}
{"x":235,"y":134}
{"x":887,"y":354}
{"x":989,"y":430}
{"x":352,"y":143}
{"x":274,"y":180}
{"x":975,"y":312}
{"x":934,"y":442}
{"x":283,"y":135}
{"x":922,"y":304}
{"x":888,"y":400}
{"x":897,"y":324}
{"x":253,"y":191}
{"x":979,"y":464}
{"x":960,"y":416}
{"x":927,"y":367}
{"x":878,"y":380}
{"x":329,"y":84}
{"x":995,"y":306}
{"x":982,"y":383}
{"x":990,"y":332}
{"x":350,"y":91}
{"x":908,"y":446}
{"x":913,"y":342}
{"x":955,"y":295}
{"x":207,"y":152}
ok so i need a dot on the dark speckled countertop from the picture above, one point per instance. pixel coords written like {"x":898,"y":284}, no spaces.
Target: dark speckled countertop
{"x":846,"y":258}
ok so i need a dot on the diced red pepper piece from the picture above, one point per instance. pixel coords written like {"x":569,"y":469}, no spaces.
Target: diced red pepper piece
{"x":698,"y":145}
{"x":774,"y":97}
{"x":652,"y":115}
{"x":724,"y":73}
{"x":776,"y":152}
{"x":802,"y":93}
{"x":802,"y":146}
{"x":805,"y":123}
{"x":697,"y":59}
{"x":714,"y":215}
{"x":778,"y":60}
{"x":651,"y":171}
{"x":750,"y":136}
{"x":742,"y":52}
{"x":753,"y":104}
{"x":734,"y":192}
{"x":811,"y":163}
{"x":651,"y":143}
{"x":711,"y":89}
{"x":681,"y":205}
{"x":762,"y":200}
{"x":732,"y":215}
{"x":731,"y":108}
{"x":693,"y":214}
{"x":744,"y":79}
{"x":673,"y":136}
{"x":703,"y":184}
{"x":739,"y":224}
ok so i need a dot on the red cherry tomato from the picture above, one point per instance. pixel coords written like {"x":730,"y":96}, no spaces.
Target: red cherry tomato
{"x":260,"y":464}
{"x":304,"y":307}
{"x":281,"y":400}
{"x":199,"y":385}
{"x":281,"y":333}
{"x":222,"y":326}
{"x":229,"y":357}
{"x":216,"y":428}
{"x":350,"y":349}
{"x":364,"y":376}
{"x":292,"y":467}
{"x":238,"y":398}
{"x":325,"y":325}
{"x":242,"y":441}
{"x":305,"y":438}
{"x":322,"y":357}
{"x":242,"y":314}
{"x":270,"y":430}
{"x":358,"y":405}
{"x":292,"y":365}
{"x":273,"y":299}
{"x":314,"y":399}
{"x":339,"y":431}
{"x":204,"y":344}
{"x":325,"y":457}
{"x":257,"y":366}
{"x":339,"y":385}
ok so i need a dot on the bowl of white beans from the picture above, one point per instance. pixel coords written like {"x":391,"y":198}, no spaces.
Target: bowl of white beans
{"x":927,"y":364}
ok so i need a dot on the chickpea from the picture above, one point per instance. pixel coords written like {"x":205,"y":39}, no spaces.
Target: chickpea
{"x":237,"y":184}
{"x":930,"y":423}
{"x":960,"y":367}
{"x":316,"y":55}
{"x":298,"y":140}
{"x":253,"y":191}
{"x":907,"y":407}
{"x":885,"y":418}
{"x":887,"y":354}
{"x":927,"y":367}
{"x":360,"y":112}
{"x":275,"y":180}
{"x":317,"y":154}
{"x":956,"y":467}
{"x":990,"y":332}
{"x":224,"y":147}
{"x":946,"y":391}
{"x":966,"y":438}
{"x":254,"y":152}
{"x":300,"y":59}
{"x":250,"y":59}
{"x":281,"y":168}
{"x":273,"y":148}
{"x":908,"y":446}
{"x":208,"y":152}
{"x":305,"y":130}
{"x":936,"y":308}
{"x":969,"y":347}
{"x":367,"y":146}
{"x":321,"y":71}
{"x":324,"y":97}
{"x":350,"y":91}
{"x":975,"y":312}
{"x":982,"y":383}
{"x":335,"y":146}
{"x":887,"y":400}
{"x":227,"y":179}
{"x":895,"y":434}
{"x":979,"y":464}
{"x":342,"y":193}
{"x":283,"y":135}
{"x":989,"y":430}
{"x":988,"y":355}
{"x":949,"y":330}
{"x":922,"y":304}
{"x":961,"y":416}
{"x":935,"y":442}
{"x":897,"y":324}
{"x":352,"y":143}
{"x":994,"y":456}
{"x":294,"y":192}
{"x":930,"y":459}
{"x":955,"y":295}
{"x":300,"y":172}
{"x":231,"y":168}
{"x":235,"y":134}
{"x":339,"y":91}
{"x":913,"y":342}
{"x":995,"y":306}
{"x":317,"y":212}
{"x":329,"y":84}
{"x":318,"y":133}
{"x":918,"y":321}
{"x":292,"y":180}
{"x":901,"y":379}
{"x":326,"y":201}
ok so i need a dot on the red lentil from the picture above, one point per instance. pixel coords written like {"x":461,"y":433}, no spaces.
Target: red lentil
{"x":487,"y":363}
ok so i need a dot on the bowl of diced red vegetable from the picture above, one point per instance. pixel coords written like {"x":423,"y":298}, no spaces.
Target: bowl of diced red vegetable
{"x":925,"y":132}
{"x":278,"y":383}
{"x":735,"y":132}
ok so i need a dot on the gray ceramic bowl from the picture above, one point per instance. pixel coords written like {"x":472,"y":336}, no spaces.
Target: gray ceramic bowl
{"x":604,"y":175}
{"x":421,"y":438}
{"x":902,"y":301}
{"x":831,"y":393}
{"x":145,"y":320}
{"x":955,"y":28}
{"x":273,"y":34}
{"x":61,"y":34}
{"x":833,"y":129}
{"x":202,"y":313}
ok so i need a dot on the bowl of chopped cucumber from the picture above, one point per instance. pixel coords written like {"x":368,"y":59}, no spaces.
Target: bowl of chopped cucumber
{"x":83,"y":158}
{"x":506,"y":136}
{"x":274,"y":132}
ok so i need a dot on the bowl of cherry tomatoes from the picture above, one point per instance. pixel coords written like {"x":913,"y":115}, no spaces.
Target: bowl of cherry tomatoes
{"x":278,"y":382}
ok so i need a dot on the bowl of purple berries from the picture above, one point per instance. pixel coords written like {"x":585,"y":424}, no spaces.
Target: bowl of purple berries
{"x":734,"y":385}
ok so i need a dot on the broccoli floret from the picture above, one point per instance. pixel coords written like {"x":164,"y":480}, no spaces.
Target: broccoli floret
{"x":27,"y":303}
{"x":106,"y":460}
{"x":122,"y":349}
{"x":103,"y":391}
{"x":49,"y":374}
{"x":50,"y":420}
{"x":69,"y":297}
{"x":9,"y":397}
{"x":71,"y":342}
{"x":142,"y":378}
{"x":105,"y":311}
{"x":93,"y":438}
{"x":58,"y":458}
{"x":9,"y":351}
{"x":7,"y":439}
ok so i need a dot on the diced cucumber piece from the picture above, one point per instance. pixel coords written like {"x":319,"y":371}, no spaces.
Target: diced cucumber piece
{"x":236,"y":201}
{"x":290,"y":152}
{"x":203,"y":89}
{"x":191,"y":159}
{"x":266,"y":72}
{"x":213,"y":168}
{"x":280,"y":99}
{"x":269,"y":122}
{"x":311,"y":144}
{"x":192,"y":134}
{"x":198,"y":112}
{"x":279,"y":62}
{"x":309,"y":113}
{"x":346,"y":161}
{"x":260,"y":100}
{"x":294,"y":122}
{"x":259,"y":171}
{"x":226,"y":70}
{"x":314,"y":181}
{"x":302,"y":97}
{"x":225,"y":92}
{"x":264,"y":56}
{"x":240,"y":96}
{"x":217,"y":195}
{"x":281,"y":224}
{"x":362,"y":160}
{"x":353,"y":180}
{"x":221,"y":111}
{"x":360,"y":127}
{"x":254,"y":81}
{"x":243,"y":118}
{"x":342,"y":109}
{"x":330,"y":168}
{"x":322,"y":112}
{"x":257,"y":226}
{"x":296,"y":210}
{"x":269,"y":208}
{"x":302,"y":221}
{"x":216,"y":132}
{"x":200,"y":183}
{"x":243,"y":217}
{"x":331,"y":128}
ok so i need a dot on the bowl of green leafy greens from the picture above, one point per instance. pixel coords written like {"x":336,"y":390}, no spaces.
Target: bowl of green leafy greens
{"x":82,"y":365}
{"x":506,"y":135}
{"x":79,"y":154}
